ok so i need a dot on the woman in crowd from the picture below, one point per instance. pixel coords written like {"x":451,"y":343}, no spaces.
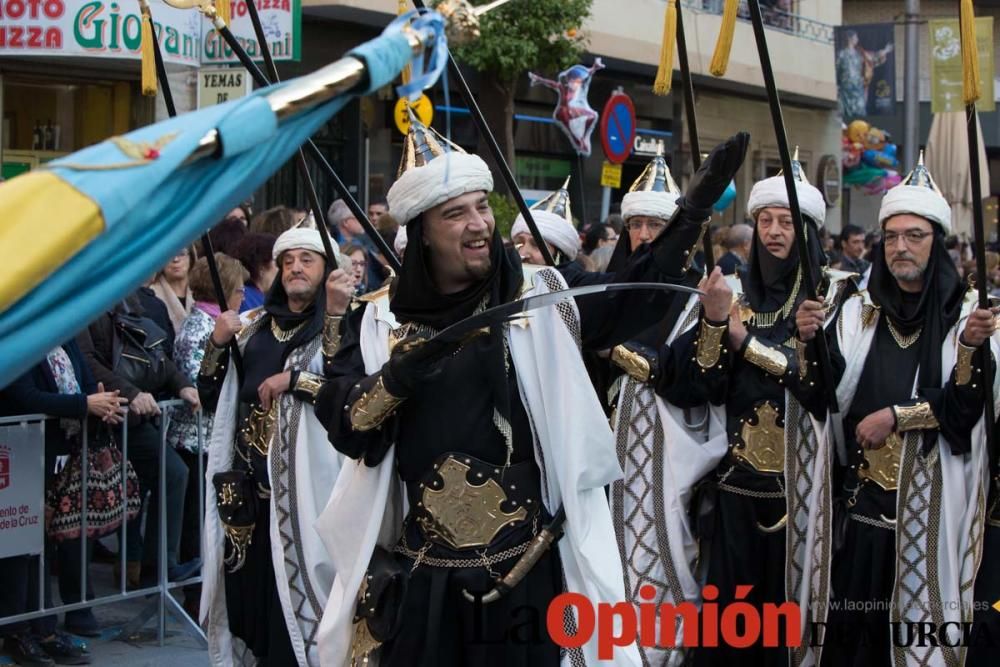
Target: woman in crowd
{"x":171,"y":286}
{"x":254,"y":252}
{"x":61,"y":385}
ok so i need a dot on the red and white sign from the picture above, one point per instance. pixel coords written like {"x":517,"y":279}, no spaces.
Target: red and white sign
{"x":112,"y":29}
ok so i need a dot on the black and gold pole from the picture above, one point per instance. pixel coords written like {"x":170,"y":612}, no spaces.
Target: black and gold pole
{"x":150,"y":46}
{"x":494,"y":147}
{"x":971,"y":91}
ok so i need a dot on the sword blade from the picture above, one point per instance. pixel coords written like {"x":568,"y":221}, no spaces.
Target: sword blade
{"x":504,"y":312}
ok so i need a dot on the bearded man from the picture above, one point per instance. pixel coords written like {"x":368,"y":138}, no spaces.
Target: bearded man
{"x":912,"y":400}
{"x":487,"y":439}
{"x":266,"y":574}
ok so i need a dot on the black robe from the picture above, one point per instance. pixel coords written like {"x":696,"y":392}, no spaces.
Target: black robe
{"x":455,"y":414}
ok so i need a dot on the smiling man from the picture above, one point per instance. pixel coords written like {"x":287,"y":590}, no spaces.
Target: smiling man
{"x":486,"y":438}
{"x":912,"y":401}
{"x":265,"y":431}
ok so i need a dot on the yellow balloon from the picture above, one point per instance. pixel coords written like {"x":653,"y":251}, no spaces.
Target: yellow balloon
{"x":857,"y":131}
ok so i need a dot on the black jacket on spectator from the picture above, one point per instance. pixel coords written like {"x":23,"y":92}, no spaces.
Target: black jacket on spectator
{"x":36,"y":392}
{"x":729,"y":263}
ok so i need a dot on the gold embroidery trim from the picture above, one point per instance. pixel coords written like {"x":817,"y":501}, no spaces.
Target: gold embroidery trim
{"x":963,"y":365}
{"x":331,"y":334}
{"x":710,"y":343}
{"x":260,"y":427}
{"x":882,"y":465}
{"x":765,"y":357}
{"x":763,"y":445}
{"x":210,"y":362}
{"x":373,"y":408}
{"x":915,"y":417}
{"x":633,"y":363}
{"x":309,"y":383}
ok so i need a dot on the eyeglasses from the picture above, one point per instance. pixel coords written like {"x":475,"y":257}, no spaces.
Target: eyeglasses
{"x":911,"y":237}
{"x":654,"y":226}
{"x":359,"y":263}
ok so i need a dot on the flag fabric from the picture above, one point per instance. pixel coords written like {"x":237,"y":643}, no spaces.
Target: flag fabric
{"x":81,"y":234}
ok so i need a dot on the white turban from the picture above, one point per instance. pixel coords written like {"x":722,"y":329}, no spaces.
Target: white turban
{"x":771,"y":192}
{"x":555,"y":230}
{"x":441,"y":179}
{"x":307,"y":239}
{"x":916,"y":200}
{"x":649,"y":203}
{"x":399,"y":243}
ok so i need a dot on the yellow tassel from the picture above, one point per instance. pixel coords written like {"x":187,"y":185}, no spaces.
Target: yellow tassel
{"x":665,"y":72}
{"x":146,"y":37}
{"x":224,"y":9}
{"x":401,"y":9}
{"x":720,"y":59}
{"x":970,"y":53}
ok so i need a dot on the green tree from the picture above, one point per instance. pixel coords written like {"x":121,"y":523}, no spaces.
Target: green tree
{"x":543,"y":36}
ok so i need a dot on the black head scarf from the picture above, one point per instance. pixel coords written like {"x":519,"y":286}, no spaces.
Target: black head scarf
{"x":937,"y":311}
{"x":768,"y":281}
{"x":276,"y":306}
{"x":415,"y":298}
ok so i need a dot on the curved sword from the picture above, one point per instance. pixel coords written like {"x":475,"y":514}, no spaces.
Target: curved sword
{"x":507,"y":311}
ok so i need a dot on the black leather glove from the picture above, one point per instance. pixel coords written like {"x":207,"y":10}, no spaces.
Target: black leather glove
{"x":415,"y":362}
{"x":714,"y":175}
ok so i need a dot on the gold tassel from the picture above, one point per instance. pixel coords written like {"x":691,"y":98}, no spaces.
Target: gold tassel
{"x":224,"y":10}
{"x":970,"y":53}
{"x":720,"y":59}
{"x":665,"y":71}
{"x":146,"y":37}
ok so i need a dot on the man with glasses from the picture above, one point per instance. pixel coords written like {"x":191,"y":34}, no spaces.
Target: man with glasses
{"x":912,"y":404}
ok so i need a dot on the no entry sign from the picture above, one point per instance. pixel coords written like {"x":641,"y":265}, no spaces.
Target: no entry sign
{"x":618,"y":127}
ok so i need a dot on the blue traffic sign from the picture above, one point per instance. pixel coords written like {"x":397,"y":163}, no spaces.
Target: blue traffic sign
{"x":618,"y":127}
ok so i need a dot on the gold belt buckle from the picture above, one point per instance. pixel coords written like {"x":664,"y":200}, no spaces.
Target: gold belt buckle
{"x":763,"y":446}
{"x":882,"y":465}
{"x":461,"y":514}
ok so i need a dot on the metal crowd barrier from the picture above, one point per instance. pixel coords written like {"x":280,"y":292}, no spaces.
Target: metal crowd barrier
{"x":164,"y":600}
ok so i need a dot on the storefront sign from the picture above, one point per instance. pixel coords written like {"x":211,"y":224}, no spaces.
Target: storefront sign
{"x":221,"y":84}
{"x":946,"y":65}
{"x":645,"y":145}
{"x":282,"y":24}
{"x":22,"y":488}
{"x":112,"y":29}
{"x":611,"y":175}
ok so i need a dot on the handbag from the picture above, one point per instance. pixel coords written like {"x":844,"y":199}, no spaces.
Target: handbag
{"x":137,"y":351}
{"x":236,"y":500}
{"x":105,"y":506}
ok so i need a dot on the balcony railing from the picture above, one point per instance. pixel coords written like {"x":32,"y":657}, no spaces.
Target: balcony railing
{"x":775,"y":17}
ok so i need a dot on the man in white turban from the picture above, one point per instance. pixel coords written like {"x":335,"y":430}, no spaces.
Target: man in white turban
{"x":266,"y":573}
{"x":911,"y":399}
{"x":487,"y":438}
